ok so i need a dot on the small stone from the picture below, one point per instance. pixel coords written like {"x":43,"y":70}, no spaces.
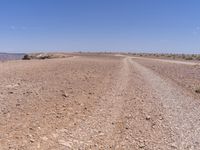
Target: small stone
{"x":148,"y":117}
{"x":153,"y":125}
{"x":30,"y":128}
{"x":197,"y":90}
{"x":17,"y":104}
{"x":65,"y":95}
{"x":161,"y":118}
{"x":173,"y":145}
{"x":142,"y":144}
{"x":32,"y":140}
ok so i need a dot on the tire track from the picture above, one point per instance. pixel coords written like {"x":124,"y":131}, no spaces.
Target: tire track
{"x":103,"y":129}
{"x":181,"y":111}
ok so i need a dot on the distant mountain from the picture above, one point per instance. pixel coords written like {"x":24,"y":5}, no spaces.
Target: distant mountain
{"x":11,"y":56}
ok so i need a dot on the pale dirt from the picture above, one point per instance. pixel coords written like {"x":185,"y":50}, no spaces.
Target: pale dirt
{"x":193,"y":63}
{"x":97,"y":102}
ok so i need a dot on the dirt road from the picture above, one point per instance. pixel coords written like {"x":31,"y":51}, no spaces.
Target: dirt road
{"x":169,"y":61}
{"x":98,"y":102}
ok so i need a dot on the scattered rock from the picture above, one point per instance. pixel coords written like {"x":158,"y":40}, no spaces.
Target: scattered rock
{"x":36,"y":56}
{"x":148,"y":117}
{"x":30,"y":128}
{"x":32,"y":140}
{"x":17,"y":104}
{"x":142,"y":144}
{"x":161,"y":117}
{"x":44,"y":56}
{"x":153,"y":124}
{"x":197,"y":90}
{"x":173,"y":145}
{"x":65,"y":95}
{"x":13,"y":85}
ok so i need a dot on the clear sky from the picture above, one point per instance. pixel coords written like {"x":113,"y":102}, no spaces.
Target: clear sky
{"x":100,"y":25}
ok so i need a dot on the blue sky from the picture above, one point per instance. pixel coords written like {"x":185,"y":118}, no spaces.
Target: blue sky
{"x":100,"y":25}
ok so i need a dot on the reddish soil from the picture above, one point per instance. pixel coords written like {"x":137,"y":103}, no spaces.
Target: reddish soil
{"x":99,"y":102}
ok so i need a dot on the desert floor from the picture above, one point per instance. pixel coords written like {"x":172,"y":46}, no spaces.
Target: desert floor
{"x":99,"y":102}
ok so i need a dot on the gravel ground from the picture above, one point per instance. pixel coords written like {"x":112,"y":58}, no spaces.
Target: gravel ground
{"x":185,"y":74}
{"x":98,"y":102}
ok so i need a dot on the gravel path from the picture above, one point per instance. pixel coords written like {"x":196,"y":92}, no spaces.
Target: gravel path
{"x":170,"y":61}
{"x":181,"y":111}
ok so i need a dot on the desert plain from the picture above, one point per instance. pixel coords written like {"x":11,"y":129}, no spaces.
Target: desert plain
{"x":110,"y":101}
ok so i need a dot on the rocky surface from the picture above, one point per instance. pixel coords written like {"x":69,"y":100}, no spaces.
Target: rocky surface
{"x":45,"y":56}
{"x":97,"y":102}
